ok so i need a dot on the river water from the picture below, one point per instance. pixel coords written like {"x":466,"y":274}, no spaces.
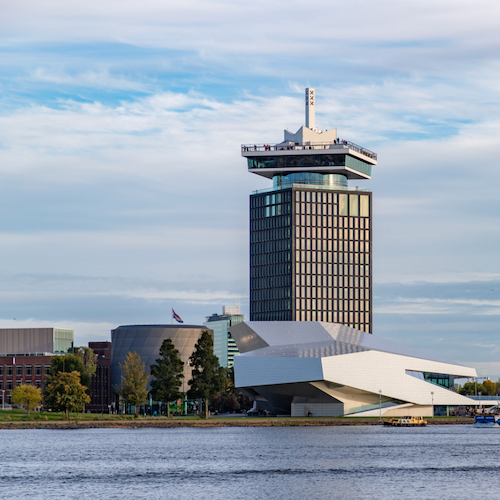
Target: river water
{"x":458,"y":462}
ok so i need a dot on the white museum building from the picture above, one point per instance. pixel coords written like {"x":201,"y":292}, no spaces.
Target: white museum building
{"x":309,"y":368}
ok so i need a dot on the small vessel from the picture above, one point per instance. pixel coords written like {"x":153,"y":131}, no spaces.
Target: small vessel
{"x":487,"y":419}
{"x":406,"y":422}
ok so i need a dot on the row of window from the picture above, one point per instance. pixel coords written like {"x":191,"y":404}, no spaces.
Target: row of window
{"x":362,"y":294}
{"x":267,"y":259}
{"x":271,"y":282}
{"x":329,"y":281}
{"x":28,"y":370}
{"x":336,"y":232}
{"x":333,"y":305}
{"x":270,"y":199}
{"x":332,"y":234}
{"x":329,"y":221}
{"x":268,"y":271}
{"x":270,"y":223}
{"x":270,"y":247}
{"x":331,"y":257}
{"x":9,"y":385}
{"x":263,"y":306}
{"x":271,"y":316}
{"x":326,"y":269}
{"x":271,"y":211}
{"x":270,"y":293}
{"x":352,"y":319}
{"x":328,"y":245}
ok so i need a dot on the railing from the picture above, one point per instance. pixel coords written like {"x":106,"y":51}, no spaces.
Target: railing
{"x":246,"y":148}
{"x":309,"y":186}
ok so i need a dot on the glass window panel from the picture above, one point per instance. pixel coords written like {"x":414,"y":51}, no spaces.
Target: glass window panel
{"x":342,"y":204}
{"x":363,"y":206}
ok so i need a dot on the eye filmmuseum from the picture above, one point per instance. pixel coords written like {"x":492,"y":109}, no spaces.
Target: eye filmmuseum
{"x":308,"y":348}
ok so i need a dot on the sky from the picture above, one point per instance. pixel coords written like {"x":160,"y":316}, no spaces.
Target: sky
{"x":123,"y":193}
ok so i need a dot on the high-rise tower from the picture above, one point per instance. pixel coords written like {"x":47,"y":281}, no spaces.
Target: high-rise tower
{"x":310,"y":234}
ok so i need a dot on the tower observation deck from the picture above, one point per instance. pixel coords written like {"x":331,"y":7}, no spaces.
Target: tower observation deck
{"x":310,"y":233}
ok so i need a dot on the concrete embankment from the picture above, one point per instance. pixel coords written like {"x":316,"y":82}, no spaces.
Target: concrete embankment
{"x":214,"y":422}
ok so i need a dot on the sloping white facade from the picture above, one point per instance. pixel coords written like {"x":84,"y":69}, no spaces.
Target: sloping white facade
{"x":327,"y":369}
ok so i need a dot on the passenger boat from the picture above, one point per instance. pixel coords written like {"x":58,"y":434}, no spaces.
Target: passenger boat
{"x":406,"y":422}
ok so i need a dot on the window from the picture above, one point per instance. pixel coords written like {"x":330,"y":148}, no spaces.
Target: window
{"x":9,"y":385}
{"x":38,"y":383}
{"x":1,"y":370}
{"x":10,"y":370}
{"x":47,"y":370}
{"x":19,"y":370}
{"x":18,"y":382}
{"x":29,"y":370}
{"x":38,"y":370}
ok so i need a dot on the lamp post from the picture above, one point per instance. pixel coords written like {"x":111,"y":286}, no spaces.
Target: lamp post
{"x":432,"y":396}
{"x":380,"y":403}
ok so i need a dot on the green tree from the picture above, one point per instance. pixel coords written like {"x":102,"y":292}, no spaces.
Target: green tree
{"x":64,"y":392}
{"x":208,"y":376}
{"x":27,"y":395}
{"x":70,"y":363}
{"x":134,"y":380}
{"x":89,"y":360}
{"x":168,"y":374}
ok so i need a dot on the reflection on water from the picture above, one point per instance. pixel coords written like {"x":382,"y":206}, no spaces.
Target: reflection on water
{"x":299,"y":462}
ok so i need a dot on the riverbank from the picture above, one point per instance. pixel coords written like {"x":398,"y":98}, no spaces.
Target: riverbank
{"x":160,"y":422}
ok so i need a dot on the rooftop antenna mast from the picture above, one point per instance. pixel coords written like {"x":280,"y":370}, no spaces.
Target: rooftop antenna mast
{"x":310,"y":108}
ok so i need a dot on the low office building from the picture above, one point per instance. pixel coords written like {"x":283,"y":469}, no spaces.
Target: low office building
{"x":22,"y":369}
{"x":35,"y":340}
{"x":146,"y":341}
{"x":26,"y":355}
{"x":328,"y":369}
{"x":225,"y":347}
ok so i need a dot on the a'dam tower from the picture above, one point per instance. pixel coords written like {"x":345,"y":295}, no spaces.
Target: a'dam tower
{"x":311,"y":233}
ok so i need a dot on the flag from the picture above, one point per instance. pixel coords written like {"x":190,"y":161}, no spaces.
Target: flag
{"x":176,"y":317}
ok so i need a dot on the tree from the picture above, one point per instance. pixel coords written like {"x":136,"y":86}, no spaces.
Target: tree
{"x":64,"y":392}
{"x":89,"y":360}
{"x":134,"y":380}
{"x":70,"y":363}
{"x":208,"y":376}
{"x":27,"y":395}
{"x":168,"y":374}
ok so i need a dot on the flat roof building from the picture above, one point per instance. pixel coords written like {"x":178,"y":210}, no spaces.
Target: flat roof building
{"x":225,"y":347}
{"x":36,"y":340}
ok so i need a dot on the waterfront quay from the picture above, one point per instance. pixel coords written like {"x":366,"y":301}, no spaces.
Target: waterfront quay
{"x":160,"y":422}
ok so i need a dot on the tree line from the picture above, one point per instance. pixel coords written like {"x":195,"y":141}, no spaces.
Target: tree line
{"x":209,"y":382}
{"x":68,"y":385}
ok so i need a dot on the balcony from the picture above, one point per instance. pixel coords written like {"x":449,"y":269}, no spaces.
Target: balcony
{"x":247,"y":149}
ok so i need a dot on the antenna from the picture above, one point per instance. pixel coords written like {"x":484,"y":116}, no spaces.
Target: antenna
{"x":310,"y":108}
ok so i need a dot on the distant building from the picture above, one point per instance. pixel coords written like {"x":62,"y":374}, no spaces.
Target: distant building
{"x":225,"y":347}
{"x":22,"y":369}
{"x":26,"y":356}
{"x":146,"y":341}
{"x":35,"y":340}
{"x":322,"y":369}
{"x":310,"y":233}
{"x":101,"y":396}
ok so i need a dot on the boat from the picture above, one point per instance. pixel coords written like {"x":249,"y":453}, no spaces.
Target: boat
{"x":487,"y":419}
{"x":406,"y":422}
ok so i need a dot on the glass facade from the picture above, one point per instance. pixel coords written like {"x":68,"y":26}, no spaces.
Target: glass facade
{"x":271,"y":256}
{"x":63,"y":340}
{"x":224,"y":345}
{"x":310,"y":257}
{"x":310,"y":161}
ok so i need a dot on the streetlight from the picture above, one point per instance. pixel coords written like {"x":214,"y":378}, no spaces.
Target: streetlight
{"x":432,"y":396}
{"x":380,"y":402}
